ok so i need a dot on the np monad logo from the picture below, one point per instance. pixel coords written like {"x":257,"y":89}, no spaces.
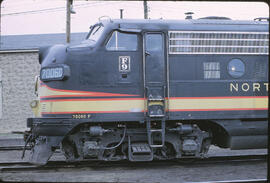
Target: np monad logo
{"x":124,"y":63}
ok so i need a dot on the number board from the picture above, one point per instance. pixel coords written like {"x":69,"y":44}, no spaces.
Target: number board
{"x":124,"y":63}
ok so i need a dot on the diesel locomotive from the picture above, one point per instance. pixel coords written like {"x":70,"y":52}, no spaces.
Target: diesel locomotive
{"x":153,"y":89}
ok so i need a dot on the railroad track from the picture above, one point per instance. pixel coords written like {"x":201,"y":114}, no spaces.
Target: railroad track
{"x":236,"y":181}
{"x":54,"y":165}
{"x":12,"y":148}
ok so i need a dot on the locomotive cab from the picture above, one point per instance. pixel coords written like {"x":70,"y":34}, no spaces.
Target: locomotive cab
{"x":153,"y":89}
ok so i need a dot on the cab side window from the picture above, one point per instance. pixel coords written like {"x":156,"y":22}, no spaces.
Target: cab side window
{"x":122,"y":42}
{"x":154,"y":42}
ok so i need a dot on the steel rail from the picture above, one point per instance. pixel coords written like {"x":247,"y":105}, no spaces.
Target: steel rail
{"x":235,"y":181}
{"x":52,"y":165}
{"x":13,"y":148}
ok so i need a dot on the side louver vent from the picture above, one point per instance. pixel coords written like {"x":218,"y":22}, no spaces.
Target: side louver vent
{"x":260,"y":70}
{"x":209,"y":42}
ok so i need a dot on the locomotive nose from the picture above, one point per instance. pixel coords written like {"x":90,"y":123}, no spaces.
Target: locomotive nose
{"x":42,"y":53}
{"x":52,"y":54}
{"x":52,"y":60}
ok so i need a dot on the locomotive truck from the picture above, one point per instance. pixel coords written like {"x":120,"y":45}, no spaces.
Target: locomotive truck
{"x":153,"y":89}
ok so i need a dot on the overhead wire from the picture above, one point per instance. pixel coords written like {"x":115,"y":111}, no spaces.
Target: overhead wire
{"x":18,"y":4}
{"x":47,"y":10}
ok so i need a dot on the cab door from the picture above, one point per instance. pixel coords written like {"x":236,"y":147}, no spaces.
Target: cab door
{"x":155,"y":74}
{"x":155,"y":87}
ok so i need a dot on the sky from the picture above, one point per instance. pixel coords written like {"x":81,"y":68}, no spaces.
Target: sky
{"x":49,"y":16}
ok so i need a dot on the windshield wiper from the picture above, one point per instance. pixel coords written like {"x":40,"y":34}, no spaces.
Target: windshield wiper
{"x":96,"y":30}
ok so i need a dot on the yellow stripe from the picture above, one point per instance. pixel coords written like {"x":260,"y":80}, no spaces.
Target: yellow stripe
{"x":138,"y":105}
{"x":114,"y":105}
{"x":226,"y":103}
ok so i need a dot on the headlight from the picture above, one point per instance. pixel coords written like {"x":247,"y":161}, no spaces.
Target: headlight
{"x":54,"y":73}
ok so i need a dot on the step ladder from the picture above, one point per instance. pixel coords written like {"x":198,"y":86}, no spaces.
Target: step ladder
{"x":155,"y":118}
{"x":155,"y":101}
{"x":139,"y":151}
{"x":156,"y":134}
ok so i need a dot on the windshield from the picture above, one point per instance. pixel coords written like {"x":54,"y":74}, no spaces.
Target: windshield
{"x":95,"y":33}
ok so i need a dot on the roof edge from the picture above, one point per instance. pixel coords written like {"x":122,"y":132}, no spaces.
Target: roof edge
{"x":18,"y":50}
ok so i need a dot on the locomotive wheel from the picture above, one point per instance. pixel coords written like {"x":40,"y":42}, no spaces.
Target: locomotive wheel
{"x":69,"y":149}
{"x":109,"y":153}
{"x":166,"y":152}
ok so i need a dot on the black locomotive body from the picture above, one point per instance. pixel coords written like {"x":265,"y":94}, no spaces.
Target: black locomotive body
{"x":153,"y":89}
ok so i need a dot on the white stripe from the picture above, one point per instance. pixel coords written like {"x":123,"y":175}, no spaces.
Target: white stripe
{"x":218,"y":53}
{"x":223,"y":32}
{"x":204,"y":39}
{"x":219,"y":46}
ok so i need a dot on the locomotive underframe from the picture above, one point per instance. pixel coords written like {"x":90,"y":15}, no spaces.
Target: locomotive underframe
{"x":184,"y":140}
{"x":128,"y":140}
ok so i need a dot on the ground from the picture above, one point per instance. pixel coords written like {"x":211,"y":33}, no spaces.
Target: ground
{"x":142,"y":172}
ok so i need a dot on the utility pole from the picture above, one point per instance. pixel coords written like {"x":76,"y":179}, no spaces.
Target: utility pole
{"x":145,"y":9}
{"x":0,"y":21}
{"x":121,"y":13}
{"x":68,"y":22}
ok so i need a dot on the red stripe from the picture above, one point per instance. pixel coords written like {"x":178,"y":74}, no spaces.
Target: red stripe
{"x":231,"y":97}
{"x":95,"y":99}
{"x":229,"y":109}
{"x":60,"y":96}
{"x":227,"y":97}
{"x":82,"y":112}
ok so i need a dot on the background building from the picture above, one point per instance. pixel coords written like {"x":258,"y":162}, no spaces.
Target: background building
{"x":18,"y":67}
